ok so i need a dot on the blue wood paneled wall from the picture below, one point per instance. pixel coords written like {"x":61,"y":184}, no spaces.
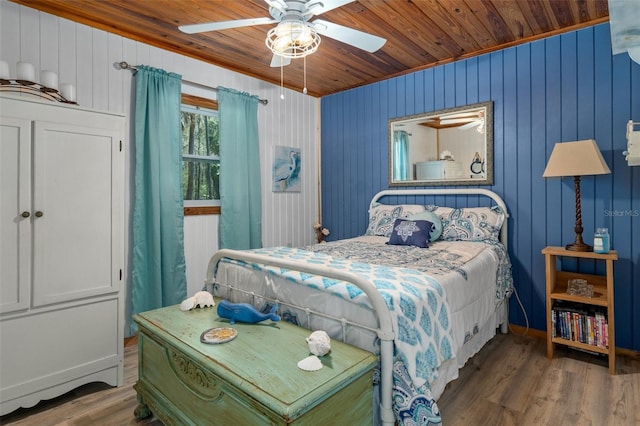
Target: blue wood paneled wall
{"x":562,"y":88}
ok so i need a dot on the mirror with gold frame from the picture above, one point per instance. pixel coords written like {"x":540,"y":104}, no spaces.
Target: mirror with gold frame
{"x":452,"y":146}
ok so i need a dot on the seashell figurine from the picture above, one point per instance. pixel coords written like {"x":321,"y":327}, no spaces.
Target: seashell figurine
{"x":204,"y":299}
{"x":201,"y":299}
{"x":310,"y":363}
{"x":188,"y":304}
{"x":319,"y":343}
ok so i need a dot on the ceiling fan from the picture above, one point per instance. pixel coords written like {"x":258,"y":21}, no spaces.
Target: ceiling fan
{"x":296,"y":36}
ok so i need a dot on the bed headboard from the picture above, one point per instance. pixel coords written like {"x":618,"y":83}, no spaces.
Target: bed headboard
{"x":454,"y":191}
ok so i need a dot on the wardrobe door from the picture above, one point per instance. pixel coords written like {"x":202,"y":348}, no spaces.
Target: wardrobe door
{"x":15,"y":214}
{"x":74,"y":202}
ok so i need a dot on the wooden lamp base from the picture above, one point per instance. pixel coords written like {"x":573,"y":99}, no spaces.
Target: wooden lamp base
{"x":578,"y":244}
{"x":578,"y":247}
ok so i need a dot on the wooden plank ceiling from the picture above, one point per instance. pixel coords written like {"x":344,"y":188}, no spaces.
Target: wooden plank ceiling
{"x":420,"y":33}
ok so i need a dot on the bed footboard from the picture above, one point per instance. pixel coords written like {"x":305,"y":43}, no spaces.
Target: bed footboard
{"x":384,"y":332}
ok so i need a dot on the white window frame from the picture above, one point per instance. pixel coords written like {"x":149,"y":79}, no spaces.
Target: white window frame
{"x":195,"y":207}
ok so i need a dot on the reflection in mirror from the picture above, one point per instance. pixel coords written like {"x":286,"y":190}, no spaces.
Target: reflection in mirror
{"x":447,"y":147}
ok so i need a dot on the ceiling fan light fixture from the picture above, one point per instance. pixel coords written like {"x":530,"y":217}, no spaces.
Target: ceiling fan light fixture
{"x":292,"y":39}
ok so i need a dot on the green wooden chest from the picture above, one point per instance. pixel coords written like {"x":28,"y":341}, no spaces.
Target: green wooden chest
{"x":251,"y":380}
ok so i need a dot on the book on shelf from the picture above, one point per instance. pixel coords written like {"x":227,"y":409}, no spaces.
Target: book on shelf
{"x":580,"y":323}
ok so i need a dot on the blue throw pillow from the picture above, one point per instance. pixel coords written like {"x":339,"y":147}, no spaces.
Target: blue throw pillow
{"x":436,"y":229}
{"x":410,"y":233}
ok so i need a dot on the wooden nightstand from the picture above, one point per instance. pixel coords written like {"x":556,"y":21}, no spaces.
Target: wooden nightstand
{"x":557,"y":282}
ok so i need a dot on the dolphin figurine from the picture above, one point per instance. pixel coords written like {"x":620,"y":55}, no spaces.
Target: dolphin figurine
{"x":244,"y":312}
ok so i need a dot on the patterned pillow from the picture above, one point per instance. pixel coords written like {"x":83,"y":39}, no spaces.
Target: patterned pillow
{"x":436,"y":229}
{"x":470,"y":223}
{"x":382,"y":217}
{"x":410,"y":233}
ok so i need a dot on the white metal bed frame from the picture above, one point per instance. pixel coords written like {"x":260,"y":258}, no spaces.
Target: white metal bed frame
{"x":385,"y":330}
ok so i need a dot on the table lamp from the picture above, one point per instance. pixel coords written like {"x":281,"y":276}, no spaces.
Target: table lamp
{"x":580,"y":158}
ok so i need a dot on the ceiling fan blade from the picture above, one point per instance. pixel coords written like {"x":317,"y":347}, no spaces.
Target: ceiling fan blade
{"x":223,"y":25}
{"x":356,"y":38}
{"x":468,"y":114}
{"x":277,"y":61}
{"x":470,"y":125}
{"x":457,"y":120}
{"x":316,"y":7}
{"x":279,"y":5}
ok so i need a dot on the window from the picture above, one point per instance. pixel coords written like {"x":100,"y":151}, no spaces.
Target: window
{"x":200,"y":155}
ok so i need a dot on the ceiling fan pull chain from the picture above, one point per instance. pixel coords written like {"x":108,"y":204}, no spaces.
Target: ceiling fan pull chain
{"x":304,"y":90}
{"x":281,"y":79}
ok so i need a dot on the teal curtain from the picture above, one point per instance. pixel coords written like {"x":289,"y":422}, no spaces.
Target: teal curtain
{"x":158,"y":275}
{"x":240,"y":187}
{"x":400,"y":155}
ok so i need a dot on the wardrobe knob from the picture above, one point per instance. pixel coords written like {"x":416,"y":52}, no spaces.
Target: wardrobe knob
{"x":26,"y":214}
{"x":39,"y":213}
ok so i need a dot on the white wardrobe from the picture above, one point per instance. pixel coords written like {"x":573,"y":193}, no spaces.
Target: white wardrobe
{"x":61,"y":249}
{"x":440,"y":169}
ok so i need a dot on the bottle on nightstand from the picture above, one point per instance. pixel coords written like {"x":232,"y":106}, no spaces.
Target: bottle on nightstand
{"x":601,"y":241}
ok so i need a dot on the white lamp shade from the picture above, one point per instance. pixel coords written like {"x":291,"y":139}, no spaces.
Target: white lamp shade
{"x":580,"y":158}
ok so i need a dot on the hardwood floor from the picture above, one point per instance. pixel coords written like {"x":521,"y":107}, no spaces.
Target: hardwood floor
{"x":510,"y":382}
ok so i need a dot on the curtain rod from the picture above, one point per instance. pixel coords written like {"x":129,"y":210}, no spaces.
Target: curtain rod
{"x":125,"y":66}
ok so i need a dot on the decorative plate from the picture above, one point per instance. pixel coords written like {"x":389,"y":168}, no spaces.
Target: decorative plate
{"x":217,"y":335}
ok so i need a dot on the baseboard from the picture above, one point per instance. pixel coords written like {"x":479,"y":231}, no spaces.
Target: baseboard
{"x":524,"y":331}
